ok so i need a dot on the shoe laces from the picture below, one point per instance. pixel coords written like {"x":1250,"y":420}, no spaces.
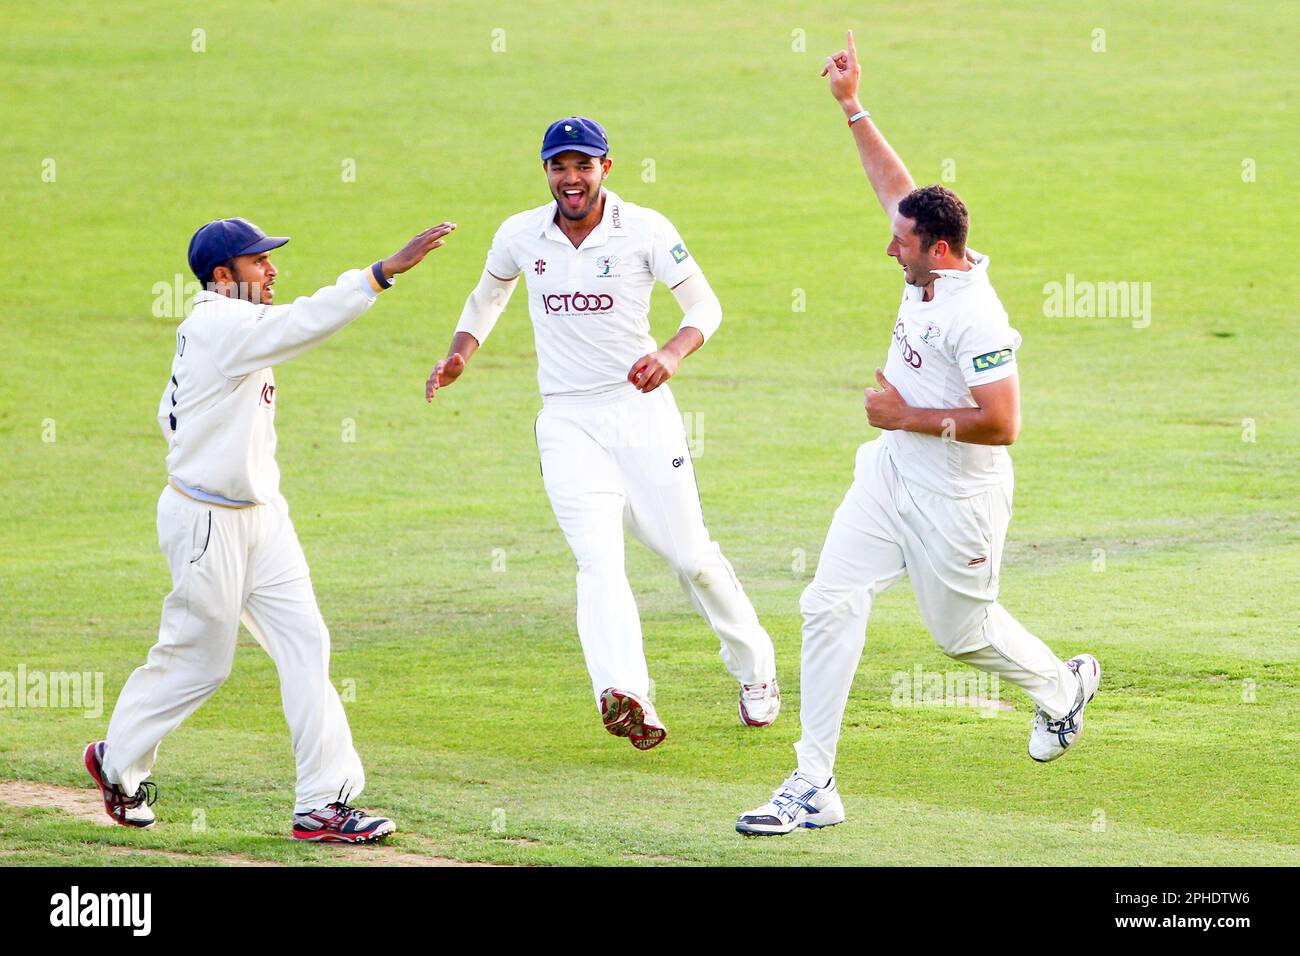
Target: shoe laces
{"x":754,"y":691}
{"x":342,"y":808}
{"x":147,"y":795}
{"x":1066,"y":724}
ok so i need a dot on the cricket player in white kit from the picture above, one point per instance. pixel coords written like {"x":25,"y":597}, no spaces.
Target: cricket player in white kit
{"x":613,"y":449}
{"x":931,"y":497}
{"x":224,"y":528}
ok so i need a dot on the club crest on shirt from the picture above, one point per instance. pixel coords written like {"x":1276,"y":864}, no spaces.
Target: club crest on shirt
{"x":605,"y":268}
{"x":680,"y":254}
{"x":932,"y":335}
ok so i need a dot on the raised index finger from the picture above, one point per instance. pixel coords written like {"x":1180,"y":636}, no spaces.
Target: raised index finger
{"x":853,"y":51}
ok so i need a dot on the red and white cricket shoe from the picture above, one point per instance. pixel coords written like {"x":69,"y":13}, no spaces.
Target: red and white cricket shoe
{"x":629,"y":715}
{"x":759,"y":703}
{"x":339,"y":823}
{"x":134,"y":811}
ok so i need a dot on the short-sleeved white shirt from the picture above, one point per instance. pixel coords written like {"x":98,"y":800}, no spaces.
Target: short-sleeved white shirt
{"x":590,"y":306}
{"x":940,"y":349}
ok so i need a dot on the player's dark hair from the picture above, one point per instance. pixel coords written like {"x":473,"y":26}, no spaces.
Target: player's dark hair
{"x":938,"y":213}
{"x":210,"y":279}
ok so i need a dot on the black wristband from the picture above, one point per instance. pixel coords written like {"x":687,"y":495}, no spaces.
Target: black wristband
{"x":377,"y":270}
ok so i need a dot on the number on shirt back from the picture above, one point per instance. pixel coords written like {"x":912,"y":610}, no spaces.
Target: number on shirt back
{"x":180,"y":350}
{"x":171,"y":419}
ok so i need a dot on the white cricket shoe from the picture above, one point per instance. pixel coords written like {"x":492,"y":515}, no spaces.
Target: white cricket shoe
{"x":759,"y":703}
{"x":1049,"y":738}
{"x":796,"y":803}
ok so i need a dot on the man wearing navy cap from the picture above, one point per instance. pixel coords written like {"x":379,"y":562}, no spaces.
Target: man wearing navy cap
{"x":612,"y":445}
{"x":225,"y":530}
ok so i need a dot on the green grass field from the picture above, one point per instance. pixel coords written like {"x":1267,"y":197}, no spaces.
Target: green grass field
{"x":1166,"y":158}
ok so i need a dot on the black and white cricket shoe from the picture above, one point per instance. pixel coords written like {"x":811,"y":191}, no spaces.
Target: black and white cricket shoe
{"x":798,"y":802}
{"x":1049,"y":737}
{"x":134,"y":811}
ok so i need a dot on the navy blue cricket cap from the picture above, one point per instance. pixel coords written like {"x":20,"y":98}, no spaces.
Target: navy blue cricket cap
{"x":223,"y":239}
{"x":574,"y":133}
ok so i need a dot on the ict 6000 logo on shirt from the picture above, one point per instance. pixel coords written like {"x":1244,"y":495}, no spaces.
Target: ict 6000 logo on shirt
{"x":573,"y":303}
{"x":910,"y":355}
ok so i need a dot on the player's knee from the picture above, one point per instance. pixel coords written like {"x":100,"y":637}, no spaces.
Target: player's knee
{"x":958,"y":638}
{"x":214,"y":673}
{"x":594,"y":572}
{"x":817,"y":601}
{"x":704,"y":566}
{"x":695,"y":570}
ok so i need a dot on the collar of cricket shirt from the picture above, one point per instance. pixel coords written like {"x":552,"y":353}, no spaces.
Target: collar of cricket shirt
{"x":949,"y":281}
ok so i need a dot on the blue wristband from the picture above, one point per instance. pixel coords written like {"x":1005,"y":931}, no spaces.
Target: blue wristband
{"x":378,"y":272}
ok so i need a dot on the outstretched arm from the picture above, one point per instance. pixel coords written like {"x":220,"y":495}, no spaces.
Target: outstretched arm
{"x":482,"y":309}
{"x":889,"y":177}
{"x":277,"y":333}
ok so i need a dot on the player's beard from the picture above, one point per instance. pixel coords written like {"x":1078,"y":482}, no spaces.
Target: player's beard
{"x":255,"y":292}
{"x":583,"y":211}
{"x":915,"y":275}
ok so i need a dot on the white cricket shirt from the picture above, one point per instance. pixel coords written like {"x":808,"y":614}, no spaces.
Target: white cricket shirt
{"x":590,"y":306}
{"x":940,"y":349}
{"x":218,"y":409}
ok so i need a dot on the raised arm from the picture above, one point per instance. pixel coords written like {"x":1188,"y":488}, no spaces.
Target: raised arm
{"x":889,"y":177}
{"x":278,"y":333}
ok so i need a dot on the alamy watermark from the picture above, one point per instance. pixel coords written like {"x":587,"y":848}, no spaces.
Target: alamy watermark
{"x":174,"y":299}
{"x":1076,"y":299}
{"x":960,"y":688}
{"x":76,"y":690}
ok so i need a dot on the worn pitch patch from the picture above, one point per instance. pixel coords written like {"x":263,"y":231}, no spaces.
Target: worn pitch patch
{"x":85,"y":804}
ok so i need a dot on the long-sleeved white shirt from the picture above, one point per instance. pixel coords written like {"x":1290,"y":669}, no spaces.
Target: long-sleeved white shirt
{"x":218,"y":408}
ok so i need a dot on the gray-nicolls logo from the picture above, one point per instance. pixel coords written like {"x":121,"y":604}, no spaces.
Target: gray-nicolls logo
{"x":103,"y":909}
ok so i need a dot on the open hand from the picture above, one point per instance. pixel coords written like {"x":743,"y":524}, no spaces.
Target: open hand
{"x":444,"y":373}
{"x":413,"y":253}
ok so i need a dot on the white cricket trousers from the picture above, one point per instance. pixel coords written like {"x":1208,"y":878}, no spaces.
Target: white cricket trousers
{"x":886,"y":527}
{"x":228,"y":565}
{"x":623,"y":461}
